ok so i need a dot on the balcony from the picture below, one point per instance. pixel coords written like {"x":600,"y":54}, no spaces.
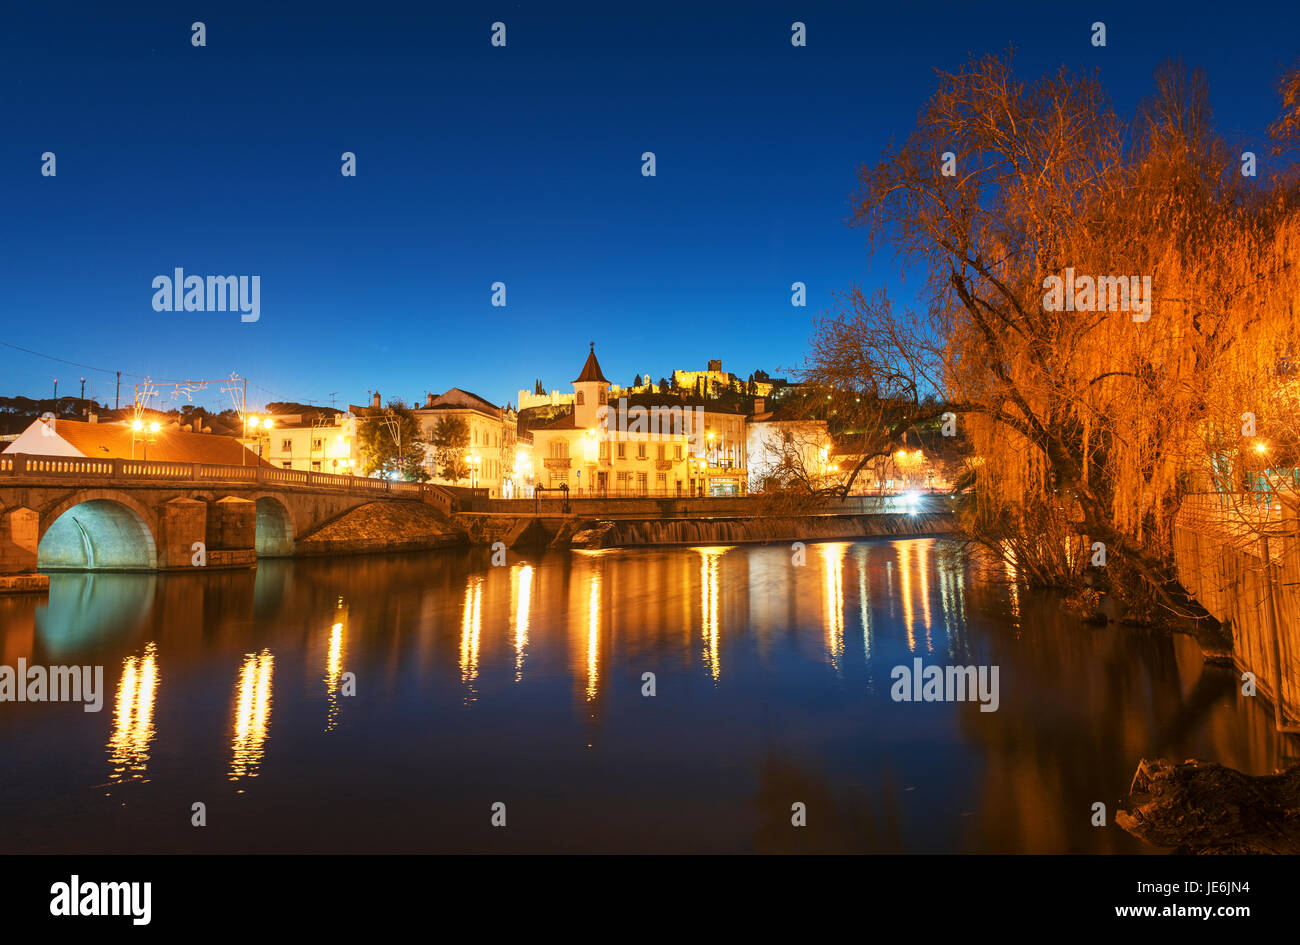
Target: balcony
{"x":556,"y":462}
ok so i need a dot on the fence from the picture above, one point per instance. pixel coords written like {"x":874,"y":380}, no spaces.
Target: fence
{"x":1240,"y":558}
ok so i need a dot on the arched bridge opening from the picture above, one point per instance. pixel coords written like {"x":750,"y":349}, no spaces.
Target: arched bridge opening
{"x":274,"y":529}
{"x":97,"y":535}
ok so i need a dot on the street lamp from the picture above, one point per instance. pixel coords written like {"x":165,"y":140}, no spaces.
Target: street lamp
{"x":140,"y":432}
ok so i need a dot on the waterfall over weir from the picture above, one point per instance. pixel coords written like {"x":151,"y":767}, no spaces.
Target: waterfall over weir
{"x":619,"y":534}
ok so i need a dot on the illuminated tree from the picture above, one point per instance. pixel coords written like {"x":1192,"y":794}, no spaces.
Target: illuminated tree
{"x":1087,"y":424}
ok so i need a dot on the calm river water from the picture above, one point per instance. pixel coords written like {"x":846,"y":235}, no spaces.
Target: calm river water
{"x":523,"y":685}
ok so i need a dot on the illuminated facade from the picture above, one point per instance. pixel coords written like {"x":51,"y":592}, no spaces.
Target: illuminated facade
{"x":492,"y":453}
{"x":635,"y":447}
{"x":328,"y":445}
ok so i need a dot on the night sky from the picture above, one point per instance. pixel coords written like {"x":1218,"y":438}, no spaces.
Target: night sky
{"x":478,"y":164}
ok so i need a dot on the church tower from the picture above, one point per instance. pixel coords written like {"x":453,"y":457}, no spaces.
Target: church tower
{"x":591,"y":390}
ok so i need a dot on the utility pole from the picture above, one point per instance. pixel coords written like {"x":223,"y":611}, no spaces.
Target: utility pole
{"x":56,"y":393}
{"x":83,"y":388}
{"x":117,"y":397}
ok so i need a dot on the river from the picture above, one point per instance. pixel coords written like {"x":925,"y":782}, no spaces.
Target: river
{"x":387,"y":703}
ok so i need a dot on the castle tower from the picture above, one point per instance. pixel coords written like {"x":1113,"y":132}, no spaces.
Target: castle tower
{"x":591,"y":390}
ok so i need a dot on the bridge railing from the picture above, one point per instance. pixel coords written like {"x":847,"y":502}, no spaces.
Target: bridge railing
{"x":139,"y":470}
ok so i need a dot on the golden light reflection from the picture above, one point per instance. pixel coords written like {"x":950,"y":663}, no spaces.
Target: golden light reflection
{"x":523,"y":581}
{"x":1008,"y":564}
{"x":133,"y":728}
{"x":905,"y":582}
{"x":709,"y":561}
{"x":471,"y":626}
{"x":833,"y":595}
{"x":593,"y":636}
{"x":333,"y":670}
{"x":252,"y":714}
{"x":923,"y":569}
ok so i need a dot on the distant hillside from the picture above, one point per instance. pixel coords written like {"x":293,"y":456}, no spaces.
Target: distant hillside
{"x":17,"y":413}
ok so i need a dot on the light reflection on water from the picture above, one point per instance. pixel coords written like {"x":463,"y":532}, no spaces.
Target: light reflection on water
{"x":252,"y":714}
{"x":133,"y":722}
{"x":475,"y":682}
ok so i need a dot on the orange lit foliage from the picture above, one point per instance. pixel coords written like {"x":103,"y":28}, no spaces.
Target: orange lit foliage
{"x":1089,"y":426}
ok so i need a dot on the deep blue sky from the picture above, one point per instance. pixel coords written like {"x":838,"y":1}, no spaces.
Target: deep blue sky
{"x":478,"y":164}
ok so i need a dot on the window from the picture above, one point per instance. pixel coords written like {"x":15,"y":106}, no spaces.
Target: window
{"x":315,"y":466}
{"x":622,"y":451}
{"x":286,"y":446}
{"x":559,"y":449}
{"x":316,"y":445}
{"x":662,"y":452}
{"x":661,"y":482}
{"x":677,"y":451}
{"x":580,"y":399}
{"x":604,"y":450}
{"x":285,"y":464}
{"x":641,"y":483}
{"x":640,"y":452}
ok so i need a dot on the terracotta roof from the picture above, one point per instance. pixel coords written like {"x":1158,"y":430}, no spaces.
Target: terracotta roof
{"x":591,"y":370}
{"x":457,"y":398}
{"x":113,"y":441}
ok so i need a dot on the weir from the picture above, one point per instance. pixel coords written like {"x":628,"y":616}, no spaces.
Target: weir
{"x":700,"y":531}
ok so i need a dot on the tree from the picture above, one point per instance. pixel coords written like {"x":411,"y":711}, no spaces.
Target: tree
{"x":450,"y":442}
{"x":389,"y":442}
{"x":1088,"y":423}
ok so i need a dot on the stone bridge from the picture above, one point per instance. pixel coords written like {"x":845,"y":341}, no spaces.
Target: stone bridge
{"x":75,"y":513}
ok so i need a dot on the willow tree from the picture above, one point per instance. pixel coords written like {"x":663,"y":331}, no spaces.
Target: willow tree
{"x":1088,"y":410}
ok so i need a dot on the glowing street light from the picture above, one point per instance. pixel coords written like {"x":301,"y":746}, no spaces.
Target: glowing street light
{"x":142,"y":431}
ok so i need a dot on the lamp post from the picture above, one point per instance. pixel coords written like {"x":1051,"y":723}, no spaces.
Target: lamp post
{"x":138,"y":427}
{"x":251,"y":425}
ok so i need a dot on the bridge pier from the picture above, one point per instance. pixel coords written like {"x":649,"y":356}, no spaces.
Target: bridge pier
{"x":181,"y":523}
{"x":19,"y":537}
{"x":232,"y":533}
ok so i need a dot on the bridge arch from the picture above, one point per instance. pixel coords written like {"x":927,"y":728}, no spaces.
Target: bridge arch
{"x":275,"y":529}
{"x":99,"y":530}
